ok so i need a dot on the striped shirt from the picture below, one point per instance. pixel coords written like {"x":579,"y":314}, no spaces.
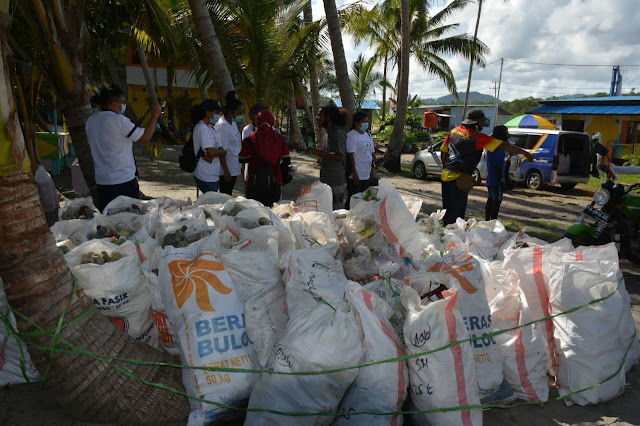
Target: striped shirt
{"x":332,"y":172}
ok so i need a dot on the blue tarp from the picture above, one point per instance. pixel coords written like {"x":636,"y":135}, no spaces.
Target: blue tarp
{"x":365,"y":104}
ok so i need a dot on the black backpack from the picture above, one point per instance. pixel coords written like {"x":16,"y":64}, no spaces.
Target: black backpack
{"x":263,"y":184}
{"x":188,"y":160}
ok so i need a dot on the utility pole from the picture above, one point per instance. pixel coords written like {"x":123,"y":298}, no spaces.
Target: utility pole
{"x":495,"y":100}
{"x":499,"y":84}
{"x":473,"y":56}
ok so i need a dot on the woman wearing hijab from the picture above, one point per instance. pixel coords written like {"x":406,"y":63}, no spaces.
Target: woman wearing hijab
{"x":263,"y":150}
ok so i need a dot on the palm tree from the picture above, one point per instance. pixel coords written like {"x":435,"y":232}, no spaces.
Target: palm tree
{"x":214,"y":58}
{"x":429,"y":42}
{"x":364,"y":78}
{"x":340,"y":61}
{"x":392,"y":156}
{"x":37,"y":281}
{"x":313,"y":80}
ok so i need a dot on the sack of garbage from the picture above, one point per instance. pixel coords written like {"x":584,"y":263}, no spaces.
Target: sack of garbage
{"x":46,"y":190}
{"x":166,"y":330}
{"x":285,"y":209}
{"x":181,"y":228}
{"x":446,"y":378}
{"x":312,"y":229}
{"x":465,"y":275}
{"x":316,"y":197}
{"x":206,"y":311}
{"x":414,"y":204}
{"x":523,"y":349}
{"x":575,"y":280}
{"x":259,"y":283}
{"x":253,"y":221}
{"x":528,"y":268}
{"x":78,"y":208}
{"x":149,"y":249}
{"x":212,"y":198}
{"x":385,"y":207}
{"x":326,"y":338}
{"x":112,"y":277}
{"x":125,"y":204}
{"x":116,"y":228}
{"x":383,"y":387}
{"x":389,"y":291}
{"x":69,"y":234}
{"x":10,"y":369}
{"x":312,"y":275}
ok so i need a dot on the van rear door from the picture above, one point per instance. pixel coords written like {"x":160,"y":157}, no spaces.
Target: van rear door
{"x":574,"y":155}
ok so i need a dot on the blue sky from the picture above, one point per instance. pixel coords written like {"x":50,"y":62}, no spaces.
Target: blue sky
{"x":549,"y":31}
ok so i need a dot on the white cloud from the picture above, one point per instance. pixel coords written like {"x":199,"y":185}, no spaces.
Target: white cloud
{"x":550,"y":31}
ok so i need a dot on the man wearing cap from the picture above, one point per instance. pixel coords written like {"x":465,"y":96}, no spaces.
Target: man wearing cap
{"x":461,"y":152}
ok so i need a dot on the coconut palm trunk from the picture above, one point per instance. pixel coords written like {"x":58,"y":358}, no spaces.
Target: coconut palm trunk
{"x":313,"y":83}
{"x":384,"y":87}
{"x":115,"y":79}
{"x":171,"y":75}
{"x":38,"y":284}
{"x":339,"y":58}
{"x":473,"y":57}
{"x":392,"y":157}
{"x":151,"y":88}
{"x":308,"y":118}
{"x":213,"y":53}
{"x":294,"y":126}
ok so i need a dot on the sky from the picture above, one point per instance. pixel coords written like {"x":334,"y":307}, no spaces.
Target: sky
{"x":547,"y":31}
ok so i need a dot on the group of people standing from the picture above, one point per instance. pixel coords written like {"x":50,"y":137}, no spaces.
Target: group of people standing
{"x":261,"y":156}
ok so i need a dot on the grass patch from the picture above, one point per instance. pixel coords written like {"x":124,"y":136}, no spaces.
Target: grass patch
{"x":595,"y":183}
{"x":544,"y":229}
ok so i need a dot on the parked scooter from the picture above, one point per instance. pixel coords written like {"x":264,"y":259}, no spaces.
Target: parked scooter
{"x":612,"y":216}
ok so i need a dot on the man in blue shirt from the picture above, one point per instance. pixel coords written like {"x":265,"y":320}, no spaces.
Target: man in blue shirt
{"x":495,"y":175}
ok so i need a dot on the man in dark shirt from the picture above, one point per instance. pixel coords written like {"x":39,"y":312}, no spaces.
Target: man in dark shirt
{"x":461,"y":152}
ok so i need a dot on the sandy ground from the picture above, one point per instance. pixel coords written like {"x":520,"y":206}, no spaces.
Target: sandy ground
{"x":545,"y":213}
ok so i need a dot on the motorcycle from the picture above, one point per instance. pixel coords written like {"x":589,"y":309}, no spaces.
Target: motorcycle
{"x":612,"y":216}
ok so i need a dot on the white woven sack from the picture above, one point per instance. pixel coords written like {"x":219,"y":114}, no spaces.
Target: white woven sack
{"x":316,"y":197}
{"x":323,"y":339}
{"x":118,"y":289}
{"x":259,"y":282}
{"x":382,"y":387}
{"x":204,"y":306}
{"x":446,"y":378}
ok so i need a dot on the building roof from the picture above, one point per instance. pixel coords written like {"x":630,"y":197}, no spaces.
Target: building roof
{"x":588,"y":109}
{"x":603,"y":99}
{"x":435,"y":108}
{"x":365,"y":104}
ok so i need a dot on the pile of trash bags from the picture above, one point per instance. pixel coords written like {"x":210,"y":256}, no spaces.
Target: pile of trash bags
{"x":298,"y":288}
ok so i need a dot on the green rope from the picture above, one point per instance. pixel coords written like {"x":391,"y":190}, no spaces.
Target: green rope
{"x":110,"y":361}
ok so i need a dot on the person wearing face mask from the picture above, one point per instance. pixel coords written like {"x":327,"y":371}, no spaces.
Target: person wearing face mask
{"x":361,"y":154}
{"x":207,"y":146}
{"x":461,"y":153}
{"x":111,"y":135}
{"x":334,"y":159}
{"x":253,"y":112}
{"x":227,"y":128}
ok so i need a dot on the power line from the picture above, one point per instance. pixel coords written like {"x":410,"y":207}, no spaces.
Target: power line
{"x":455,"y":74}
{"x":569,"y":65}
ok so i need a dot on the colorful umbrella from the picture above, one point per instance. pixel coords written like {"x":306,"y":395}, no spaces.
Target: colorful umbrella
{"x":530,"y":121}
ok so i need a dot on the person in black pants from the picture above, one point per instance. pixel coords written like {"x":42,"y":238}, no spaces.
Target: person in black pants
{"x":227,"y":129}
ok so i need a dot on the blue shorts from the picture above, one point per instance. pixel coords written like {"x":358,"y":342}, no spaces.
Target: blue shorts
{"x":206,"y":186}
{"x":495,"y":193}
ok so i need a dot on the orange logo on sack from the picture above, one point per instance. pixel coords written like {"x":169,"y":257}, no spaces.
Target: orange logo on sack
{"x":187,"y":274}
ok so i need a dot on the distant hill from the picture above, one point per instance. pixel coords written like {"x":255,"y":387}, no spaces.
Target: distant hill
{"x":474,"y":98}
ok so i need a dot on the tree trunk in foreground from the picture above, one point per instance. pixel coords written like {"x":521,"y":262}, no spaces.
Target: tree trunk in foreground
{"x":213,"y":53}
{"x":473,"y":57}
{"x":339,"y":58}
{"x":308,"y":118}
{"x":38,"y":284}
{"x":171,"y":113}
{"x":394,"y":150}
{"x":314,"y":86}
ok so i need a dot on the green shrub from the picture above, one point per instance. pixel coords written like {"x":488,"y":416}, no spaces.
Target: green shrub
{"x":632,"y":160}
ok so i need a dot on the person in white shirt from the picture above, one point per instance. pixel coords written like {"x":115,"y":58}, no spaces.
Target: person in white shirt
{"x":111,"y":135}
{"x":207,"y":146}
{"x":361,"y":152}
{"x":227,"y":128}
{"x":250,"y":128}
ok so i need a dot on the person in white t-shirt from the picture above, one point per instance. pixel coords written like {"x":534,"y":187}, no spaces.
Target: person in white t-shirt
{"x":207,"y":146}
{"x":110,"y":136}
{"x":227,"y":128}
{"x":361,"y":152}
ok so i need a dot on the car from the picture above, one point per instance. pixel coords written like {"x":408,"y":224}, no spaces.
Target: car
{"x":562,"y":157}
{"x":428,"y":163}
